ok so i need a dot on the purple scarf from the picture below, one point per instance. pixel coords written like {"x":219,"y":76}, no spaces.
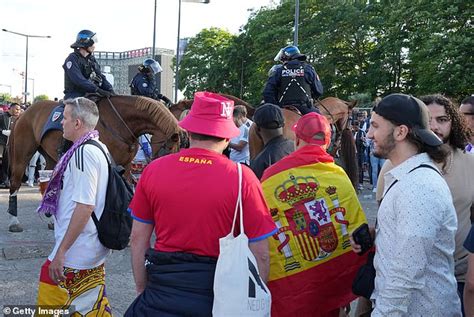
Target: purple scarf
{"x":49,"y":204}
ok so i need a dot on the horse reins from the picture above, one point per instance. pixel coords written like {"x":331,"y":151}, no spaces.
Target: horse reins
{"x":338,"y":130}
{"x":329,"y":112}
{"x":128,"y":128}
{"x":121,"y":119}
{"x":113,"y":132}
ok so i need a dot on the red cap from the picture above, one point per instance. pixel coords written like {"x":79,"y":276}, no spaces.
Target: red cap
{"x":313,"y":128}
{"x":211,"y":114}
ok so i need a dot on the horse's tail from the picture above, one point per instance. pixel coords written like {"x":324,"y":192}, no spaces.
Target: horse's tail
{"x":348,"y":154}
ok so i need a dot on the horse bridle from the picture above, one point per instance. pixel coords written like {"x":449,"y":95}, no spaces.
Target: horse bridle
{"x":338,"y":130}
{"x":114,"y":133}
{"x":135,"y":138}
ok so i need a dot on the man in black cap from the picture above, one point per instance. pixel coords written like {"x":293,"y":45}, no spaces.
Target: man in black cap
{"x":269,"y":121}
{"x":416,"y":219}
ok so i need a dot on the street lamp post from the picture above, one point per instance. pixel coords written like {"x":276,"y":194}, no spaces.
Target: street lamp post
{"x":176,"y":78}
{"x":297,"y":18}
{"x":27,"y":36}
{"x":33,"y":93}
{"x":154,"y":33}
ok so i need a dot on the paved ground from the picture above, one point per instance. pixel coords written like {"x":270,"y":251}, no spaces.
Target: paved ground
{"x":22,"y":254}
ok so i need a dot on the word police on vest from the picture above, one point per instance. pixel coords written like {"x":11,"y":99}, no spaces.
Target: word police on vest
{"x":293,"y":72}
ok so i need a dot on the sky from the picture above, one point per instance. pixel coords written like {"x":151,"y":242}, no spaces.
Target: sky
{"x":120,"y":25}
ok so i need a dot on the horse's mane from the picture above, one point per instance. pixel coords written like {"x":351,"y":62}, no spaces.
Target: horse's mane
{"x":158,"y":113}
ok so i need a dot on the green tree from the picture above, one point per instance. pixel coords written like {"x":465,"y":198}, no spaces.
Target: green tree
{"x":41,"y":97}
{"x":266,"y":32}
{"x":441,"y":58}
{"x":370,"y":47}
{"x":5,"y":97}
{"x":205,"y":63}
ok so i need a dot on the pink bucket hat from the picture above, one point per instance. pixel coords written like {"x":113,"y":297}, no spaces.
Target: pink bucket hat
{"x":211,"y":114}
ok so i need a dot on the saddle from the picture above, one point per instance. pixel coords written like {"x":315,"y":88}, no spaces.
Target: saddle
{"x":54,"y":120}
{"x":292,"y":109}
{"x":56,"y":116}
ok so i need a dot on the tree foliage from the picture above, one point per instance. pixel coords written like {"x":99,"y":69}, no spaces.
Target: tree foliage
{"x":371,"y":47}
{"x":205,"y":63}
{"x":41,"y":97}
{"x":5,"y":97}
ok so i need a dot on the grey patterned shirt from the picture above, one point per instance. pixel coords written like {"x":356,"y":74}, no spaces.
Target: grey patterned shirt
{"x":415,"y":244}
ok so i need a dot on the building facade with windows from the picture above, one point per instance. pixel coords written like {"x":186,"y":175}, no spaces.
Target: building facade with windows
{"x":123,"y":66}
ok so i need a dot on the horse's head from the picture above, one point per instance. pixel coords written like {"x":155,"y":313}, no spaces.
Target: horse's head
{"x":177,"y":108}
{"x":172,"y":144}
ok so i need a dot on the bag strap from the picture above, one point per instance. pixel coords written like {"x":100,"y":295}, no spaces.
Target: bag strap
{"x":427,"y":166}
{"x":109,"y":157}
{"x":239,"y":203}
{"x":419,"y":166}
{"x":110,"y":161}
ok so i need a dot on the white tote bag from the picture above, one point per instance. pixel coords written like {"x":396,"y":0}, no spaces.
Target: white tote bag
{"x":238,"y":288}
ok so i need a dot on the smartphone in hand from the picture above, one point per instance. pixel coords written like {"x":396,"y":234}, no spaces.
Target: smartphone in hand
{"x":361,"y":236}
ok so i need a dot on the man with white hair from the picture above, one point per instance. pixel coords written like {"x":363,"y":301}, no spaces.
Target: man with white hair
{"x":74,"y":271}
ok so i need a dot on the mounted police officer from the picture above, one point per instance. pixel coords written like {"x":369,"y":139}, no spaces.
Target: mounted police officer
{"x":144,"y":84}
{"x":82,"y":73}
{"x":294,"y":82}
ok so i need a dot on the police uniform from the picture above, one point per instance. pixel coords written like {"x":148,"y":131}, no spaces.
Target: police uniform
{"x":82,"y":75}
{"x":293,"y":83}
{"x":143,"y":85}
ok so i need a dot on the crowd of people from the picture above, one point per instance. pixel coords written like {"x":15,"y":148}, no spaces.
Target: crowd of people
{"x":7,"y":119}
{"x":299,"y":207}
{"x":300,"y":212}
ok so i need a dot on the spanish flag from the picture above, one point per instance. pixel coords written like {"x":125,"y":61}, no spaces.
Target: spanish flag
{"x":315,"y":207}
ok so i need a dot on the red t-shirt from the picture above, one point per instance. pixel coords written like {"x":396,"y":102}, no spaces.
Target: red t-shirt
{"x":190,"y":197}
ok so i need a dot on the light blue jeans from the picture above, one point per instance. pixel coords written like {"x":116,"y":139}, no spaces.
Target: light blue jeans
{"x":376,"y":164}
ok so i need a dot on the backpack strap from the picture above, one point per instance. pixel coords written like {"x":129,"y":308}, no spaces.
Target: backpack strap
{"x":109,"y":157}
{"x":110,"y":163}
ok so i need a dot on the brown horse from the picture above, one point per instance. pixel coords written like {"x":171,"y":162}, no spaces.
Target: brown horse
{"x":185,"y":104}
{"x":122,"y":120}
{"x":337,"y":112}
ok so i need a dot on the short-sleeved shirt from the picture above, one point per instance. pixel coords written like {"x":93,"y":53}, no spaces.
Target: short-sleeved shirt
{"x":190,"y":197}
{"x":85,"y":181}
{"x":242,"y":156}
